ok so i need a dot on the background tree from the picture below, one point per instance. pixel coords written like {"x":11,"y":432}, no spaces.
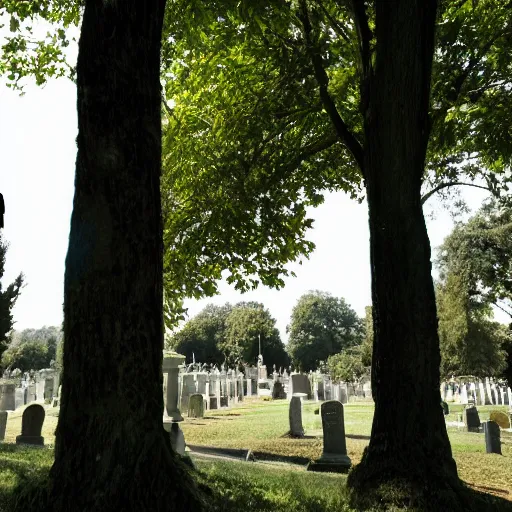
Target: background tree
{"x":320,"y":326}
{"x":480,"y":250}
{"x":248,"y":324}
{"x":202,"y":335}
{"x":32,"y":355}
{"x":471,"y":343}
{"x":32,"y":349}
{"x":347,"y":366}
{"x":475,"y":270}
{"x":8,"y":298}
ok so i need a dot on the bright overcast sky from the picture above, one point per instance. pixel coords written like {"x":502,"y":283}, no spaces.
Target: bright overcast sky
{"x":37,"y":156}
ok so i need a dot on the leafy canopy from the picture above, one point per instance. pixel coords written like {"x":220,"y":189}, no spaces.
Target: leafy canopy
{"x":320,"y":326}
{"x":252,"y":91}
{"x":471,"y":343}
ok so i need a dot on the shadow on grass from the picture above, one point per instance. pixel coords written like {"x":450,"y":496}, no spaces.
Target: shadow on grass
{"x":356,"y":436}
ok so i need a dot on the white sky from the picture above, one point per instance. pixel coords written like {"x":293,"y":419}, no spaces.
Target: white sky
{"x":37,"y":157}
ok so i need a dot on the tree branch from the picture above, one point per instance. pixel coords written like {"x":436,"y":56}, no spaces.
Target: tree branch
{"x":335,"y":25}
{"x":363,"y":32}
{"x":503,"y":309}
{"x":429,"y":194}
{"x":346,"y":136}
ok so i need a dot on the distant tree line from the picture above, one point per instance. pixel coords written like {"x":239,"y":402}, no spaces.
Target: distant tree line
{"x":34,"y":349}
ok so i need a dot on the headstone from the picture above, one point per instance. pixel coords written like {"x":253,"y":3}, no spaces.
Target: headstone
{"x":40,"y":390}
{"x":48,"y":388}
{"x":19,"y":397}
{"x":7,"y":397}
{"x":446,"y":409}
{"x":300,"y":384}
{"x":188,"y":387}
{"x":334,"y":457}
{"x":196,"y":406}
{"x":488,"y":394}
{"x":343,"y":394}
{"x":501,"y":418}
{"x":170,"y":369}
{"x":471,"y":419}
{"x":201,"y":383}
{"x":481,"y":393}
{"x":509,"y":394}
{"x":492,"y":437}
{"x":177,"y":439}
{"x":31,"y":393}
{"x":31,"y":425}
{"x":463,"y":397}
{"x":3,"y":424}
{"x":278,"y":391}
{"x":506,"y":398}
{"x":295,"y":417}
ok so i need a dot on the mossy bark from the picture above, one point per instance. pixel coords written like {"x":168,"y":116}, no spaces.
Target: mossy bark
{"x":409,"y":444}
{"x":111,"y":451}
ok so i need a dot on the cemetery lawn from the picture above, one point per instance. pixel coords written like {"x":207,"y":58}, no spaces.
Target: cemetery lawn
{"x":262,"y":426}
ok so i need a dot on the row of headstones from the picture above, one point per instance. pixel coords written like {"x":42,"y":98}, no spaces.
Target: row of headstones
{"x":219,"y":389}
{"x":482,"y":393}
{"x":31,"y":425}
{"x":43,"y":388}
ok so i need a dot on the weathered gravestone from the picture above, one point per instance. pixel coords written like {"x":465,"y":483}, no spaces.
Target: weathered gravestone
{"x":278,"y":391}
{"x":7,"y":397}
{"x":3,"y":424}
{"x":19,"y":397}
{"x":501,"y":418}
{"x":334,"y":457}
{"x":196,"y":406}
{"x":300,"y":384}
{"x":471,"y":419}
{"x":492,"y":437}
{"x":295,"y":416}
{"x":31,"y":425}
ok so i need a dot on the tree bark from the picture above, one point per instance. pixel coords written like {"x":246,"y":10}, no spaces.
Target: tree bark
{"x":409,"y":443}
{"x":111,"y":451}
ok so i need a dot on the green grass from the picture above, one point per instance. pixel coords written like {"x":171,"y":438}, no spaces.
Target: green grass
{"x":262,"y":427}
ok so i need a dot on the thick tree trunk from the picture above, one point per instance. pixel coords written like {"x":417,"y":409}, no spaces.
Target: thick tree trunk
{"x":409,"y":443}
{"x":111,"y":450}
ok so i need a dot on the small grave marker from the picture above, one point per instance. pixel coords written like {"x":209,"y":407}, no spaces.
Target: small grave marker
{"x":31,"y":425}
{"x":196,"y":406}
{"x":295,"y":417}
{"x":471,"y":419}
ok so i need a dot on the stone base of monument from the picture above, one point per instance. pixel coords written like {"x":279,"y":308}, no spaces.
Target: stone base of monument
{"x":330,"y":464}
{"x":32,"y":440}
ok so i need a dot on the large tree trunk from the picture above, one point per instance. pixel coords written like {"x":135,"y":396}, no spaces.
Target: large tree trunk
{"x":112,"y":452}
{"x":409,"y":443}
